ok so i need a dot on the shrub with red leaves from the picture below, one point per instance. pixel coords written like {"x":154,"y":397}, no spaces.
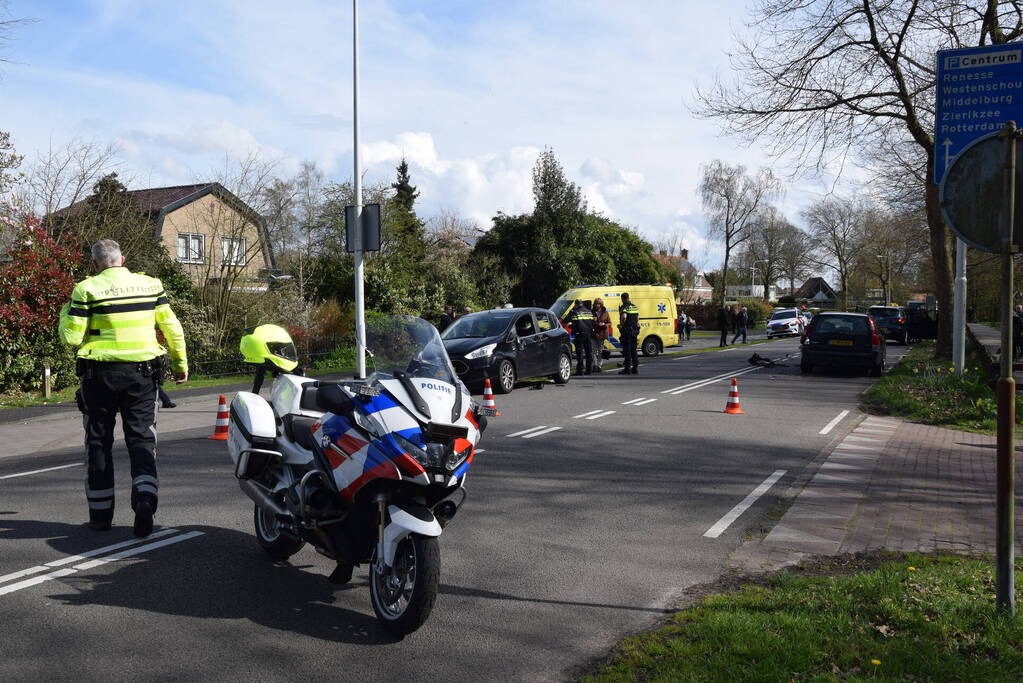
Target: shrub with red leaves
{"x":35,"y":281}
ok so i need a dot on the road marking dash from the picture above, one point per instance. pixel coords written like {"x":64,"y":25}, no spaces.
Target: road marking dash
{"x":527,"y":431}
{"x":600,"y":414}
{"x":744,"y":505}
{"x":635,"y":400}
{"x":646,"y":401}
{"x":592,"y":412}
{"x":45,"y":469}
{"x":831,"y":425}
{"x":541,"y":433}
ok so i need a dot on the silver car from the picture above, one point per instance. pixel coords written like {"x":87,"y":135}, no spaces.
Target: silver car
{"x":787,"y":322}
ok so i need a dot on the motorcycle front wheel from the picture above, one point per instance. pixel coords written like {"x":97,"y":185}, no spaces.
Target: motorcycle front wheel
{"x":404,"y":597}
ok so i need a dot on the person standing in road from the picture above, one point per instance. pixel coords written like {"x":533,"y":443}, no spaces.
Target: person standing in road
{"x":724,"y":323}
{"x":741,"y":322}
{"x":446,"y":318}
{"x":581,"y":320}
{"x":628,"y":325}
{"x":121,"y":365}
{"x":601,"y":330}
{"x":690,"y":324}
{"x":682,"y":320}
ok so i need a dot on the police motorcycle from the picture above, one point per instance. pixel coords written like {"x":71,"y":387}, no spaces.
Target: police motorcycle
{"x":367,"y":472}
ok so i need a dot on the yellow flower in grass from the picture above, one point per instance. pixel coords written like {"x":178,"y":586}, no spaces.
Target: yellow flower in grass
{"x":875,"y":662}
{"x":910,"y":569}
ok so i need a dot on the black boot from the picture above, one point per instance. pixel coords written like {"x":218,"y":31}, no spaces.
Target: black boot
{"x":143,"y":518}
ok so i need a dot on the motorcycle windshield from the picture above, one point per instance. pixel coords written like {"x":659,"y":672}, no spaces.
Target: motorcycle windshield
{"x":409,"y":346}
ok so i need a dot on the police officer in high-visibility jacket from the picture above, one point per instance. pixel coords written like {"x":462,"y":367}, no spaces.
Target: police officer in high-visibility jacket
{"x":581,"y":320}
{"x":120,"y":365}
{"x":628,"y":327}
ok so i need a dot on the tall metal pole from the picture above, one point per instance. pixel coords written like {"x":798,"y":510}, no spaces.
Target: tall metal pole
{"x":1005,"y":598}
{"x":959,"y":310}
{"x":360,"y":305}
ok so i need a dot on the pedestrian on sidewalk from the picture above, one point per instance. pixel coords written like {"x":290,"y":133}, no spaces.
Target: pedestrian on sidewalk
{"x":741,"y":322}
{"x":724,"y":324}
{"x":446,"y":318}
{"x":690,"y":324}
{"x":601,"y":330}
{"x":120,"y":364}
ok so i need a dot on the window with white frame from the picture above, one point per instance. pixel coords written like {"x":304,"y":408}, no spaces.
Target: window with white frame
{"x":191,"y":247}
{"x":232,"y":251}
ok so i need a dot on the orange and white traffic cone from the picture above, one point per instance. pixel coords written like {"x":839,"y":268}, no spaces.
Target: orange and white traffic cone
{"x":220,"y":426}
{"x":732,"y":407}
{"x":488,"y":397}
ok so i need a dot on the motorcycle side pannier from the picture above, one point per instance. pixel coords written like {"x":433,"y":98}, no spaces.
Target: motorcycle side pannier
{"x":252,"y":436}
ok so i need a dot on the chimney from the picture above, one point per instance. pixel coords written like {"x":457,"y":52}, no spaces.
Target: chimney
{"x":684,"y":254}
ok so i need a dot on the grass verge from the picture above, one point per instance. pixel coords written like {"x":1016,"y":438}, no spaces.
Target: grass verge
{"x":25,"y":399}
{"x":927,"y":391}
{"x":916,"y":618}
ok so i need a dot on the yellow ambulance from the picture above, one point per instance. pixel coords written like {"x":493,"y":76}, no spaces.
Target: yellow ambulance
{"x":658,"y":317}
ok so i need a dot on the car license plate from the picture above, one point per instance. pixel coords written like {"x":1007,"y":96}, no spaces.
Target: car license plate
{"x":841,"y":342}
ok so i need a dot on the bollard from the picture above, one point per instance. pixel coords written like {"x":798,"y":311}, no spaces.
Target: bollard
{"x":46,"y":381}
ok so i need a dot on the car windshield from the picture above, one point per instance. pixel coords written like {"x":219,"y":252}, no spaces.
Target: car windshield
{"x":404,"y":344}
{"x":781,"y":315}
{"x":884,"y":312}
{"x":561,"y":306}
{"x":839,"y":324}
{"x":478,"y":325}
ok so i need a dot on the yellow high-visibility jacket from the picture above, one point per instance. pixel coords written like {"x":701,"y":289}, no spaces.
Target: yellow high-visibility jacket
{"x":116,"y":312}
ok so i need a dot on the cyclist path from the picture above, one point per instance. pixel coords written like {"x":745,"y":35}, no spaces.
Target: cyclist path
{"x":888,"y":485}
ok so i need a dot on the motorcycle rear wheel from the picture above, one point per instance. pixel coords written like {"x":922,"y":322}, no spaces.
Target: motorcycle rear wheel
{"x":403,"y":599}
{"x":277,"y":544}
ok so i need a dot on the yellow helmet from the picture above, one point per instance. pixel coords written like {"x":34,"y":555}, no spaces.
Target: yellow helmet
{"x":269,"y":344}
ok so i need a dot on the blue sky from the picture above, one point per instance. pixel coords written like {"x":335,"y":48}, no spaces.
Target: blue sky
{"x":469,"y":92}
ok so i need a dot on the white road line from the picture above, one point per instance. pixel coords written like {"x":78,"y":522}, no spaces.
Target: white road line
{"x":45,"y":469}
{"x":130,"y":552}
{"x":713,"y":380}
{"x":831,"y":425}
{"x":527,"y":431}
{"x":541,"y":433}
{"x":592,"y":412}
{"x":84,"y":555}
{"x":734,"y":513}
{"x":604,"y":413}
{"x":28,"y":583}
{"x":480,"y":450}
{"x":645,"y":401}
{"x":628,"y":403}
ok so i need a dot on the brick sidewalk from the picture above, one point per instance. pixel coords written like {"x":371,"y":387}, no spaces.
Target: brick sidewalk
{"x":890,"y":485}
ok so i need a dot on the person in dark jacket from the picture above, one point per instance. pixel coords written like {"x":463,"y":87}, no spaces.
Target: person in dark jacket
{"x":628,"y":328}
{"x":581,"y":321}
{"x":1017,"y":333}
{"x":724,"y":324}
{"x":447,"y":318}
{"x":741,"y":323}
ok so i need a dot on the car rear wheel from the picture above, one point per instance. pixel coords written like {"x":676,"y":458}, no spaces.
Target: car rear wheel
{"x":564,"y":372}
{"x":651,"y":346}
{"x":505,"y":377}
{"x":805,"y":367}
{"x":877,"y":370}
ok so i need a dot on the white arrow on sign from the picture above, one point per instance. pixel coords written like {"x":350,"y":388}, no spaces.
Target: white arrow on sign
{"x":946,"y":144}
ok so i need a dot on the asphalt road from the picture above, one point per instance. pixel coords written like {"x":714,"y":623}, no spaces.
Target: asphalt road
{"x":573,"y":536}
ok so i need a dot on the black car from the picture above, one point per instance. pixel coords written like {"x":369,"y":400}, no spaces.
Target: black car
{"x":843,"y":340}
{"x":508,"y":343}
{"x":891,"y":320}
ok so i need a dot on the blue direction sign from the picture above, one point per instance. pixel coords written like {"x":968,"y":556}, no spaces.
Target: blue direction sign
{"x":979,"y":89}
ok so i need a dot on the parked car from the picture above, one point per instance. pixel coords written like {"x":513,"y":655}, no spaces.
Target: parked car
{"x":892,"y":322}
{"x":506,"y":344}
{"x":787,"y":321}
{"x":843,"y":340}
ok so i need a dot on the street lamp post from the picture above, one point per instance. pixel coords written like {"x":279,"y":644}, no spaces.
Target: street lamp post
{"x":360,"y":306}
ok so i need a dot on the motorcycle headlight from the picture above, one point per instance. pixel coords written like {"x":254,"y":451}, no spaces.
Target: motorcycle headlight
{"x":416,"y":451}
{"x":482,"y":352}
{"x":457,"y":458}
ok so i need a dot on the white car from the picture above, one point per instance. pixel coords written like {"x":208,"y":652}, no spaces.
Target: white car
{"x":787,"y":321}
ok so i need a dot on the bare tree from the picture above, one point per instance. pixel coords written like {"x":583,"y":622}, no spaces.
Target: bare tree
{"x":836,"y":225}
{"x":65,"y":175}
{"x":894,"y":246}
{"x":794,"y":258}
{"x":826,"y":79}
{"x":731,"y":200}
{"x":766,"y":244}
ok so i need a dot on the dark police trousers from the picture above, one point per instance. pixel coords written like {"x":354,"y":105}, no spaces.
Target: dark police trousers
{"x":583,"y":350}
{"x":105,"y":394}
{"x":629,"y":353}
